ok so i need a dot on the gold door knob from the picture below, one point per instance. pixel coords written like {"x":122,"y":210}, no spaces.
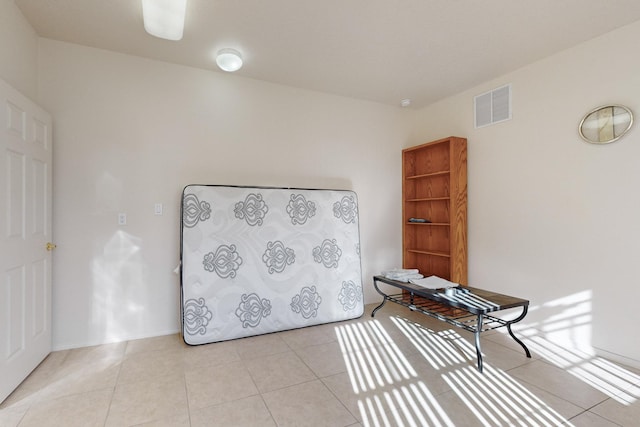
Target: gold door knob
{"x":50,"y":246}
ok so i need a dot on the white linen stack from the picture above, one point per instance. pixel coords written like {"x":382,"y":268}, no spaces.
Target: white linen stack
{"x":434,"y":282}
{"x":403,"y":274}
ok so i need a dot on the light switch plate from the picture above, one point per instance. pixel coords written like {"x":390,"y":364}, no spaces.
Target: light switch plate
{"x":157,"y":209}
{"x":122,"y":219}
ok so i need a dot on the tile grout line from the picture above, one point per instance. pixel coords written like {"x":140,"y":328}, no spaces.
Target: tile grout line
{"x":115,"y":385}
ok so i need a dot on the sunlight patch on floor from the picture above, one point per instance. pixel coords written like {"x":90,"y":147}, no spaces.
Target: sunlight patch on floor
{"x":497,"y":399}
{"x":391,"y":393}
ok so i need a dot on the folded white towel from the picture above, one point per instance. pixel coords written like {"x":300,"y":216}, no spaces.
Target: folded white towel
{"x":395,"y":271}
{"x":405,"y":277}
{"x":434,"y":282}
{"x":402,"y":274}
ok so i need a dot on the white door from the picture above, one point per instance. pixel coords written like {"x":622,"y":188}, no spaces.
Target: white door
{"x":25,"y":230}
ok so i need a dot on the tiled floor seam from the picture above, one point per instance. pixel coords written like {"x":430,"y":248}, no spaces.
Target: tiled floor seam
{"x":268,"y":409}
{"x":355,"y":416}
{"x":600,"y":415}
{"x":566,"y":400}
{"x":115,"y":385}
{"x":318,"y":378}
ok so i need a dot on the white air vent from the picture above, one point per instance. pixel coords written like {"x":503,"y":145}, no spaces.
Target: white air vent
{"x":493,"y":106}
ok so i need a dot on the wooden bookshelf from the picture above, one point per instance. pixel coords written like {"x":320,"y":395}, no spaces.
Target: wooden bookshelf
{"x":434,"y":188}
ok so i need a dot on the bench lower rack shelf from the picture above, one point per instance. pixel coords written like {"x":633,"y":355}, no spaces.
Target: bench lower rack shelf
{"x":464,"y":307}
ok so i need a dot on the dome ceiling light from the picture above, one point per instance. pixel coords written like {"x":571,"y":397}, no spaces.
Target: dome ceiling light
{"x":229,"y":60}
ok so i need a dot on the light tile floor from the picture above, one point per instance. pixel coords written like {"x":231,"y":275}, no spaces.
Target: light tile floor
{"x":397,"y":369}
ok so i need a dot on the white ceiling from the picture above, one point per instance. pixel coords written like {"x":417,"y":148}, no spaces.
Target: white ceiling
{"x":378,"y":50}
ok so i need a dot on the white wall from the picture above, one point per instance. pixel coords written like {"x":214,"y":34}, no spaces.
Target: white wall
{"x":131,"y":132}
{"x":552,"y":218}
{"x":18,"y":50}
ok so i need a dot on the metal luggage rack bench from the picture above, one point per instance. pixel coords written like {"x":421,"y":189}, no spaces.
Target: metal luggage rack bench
{"x":464,"y":307}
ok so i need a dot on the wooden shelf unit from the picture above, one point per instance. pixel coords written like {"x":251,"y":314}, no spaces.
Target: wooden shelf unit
{"x":434,"y":187}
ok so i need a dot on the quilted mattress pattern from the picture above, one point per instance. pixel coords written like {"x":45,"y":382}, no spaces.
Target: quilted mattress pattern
{"x":256,"y":260}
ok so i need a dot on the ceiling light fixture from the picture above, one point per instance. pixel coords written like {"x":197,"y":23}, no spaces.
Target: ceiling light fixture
{"x":229,"y":60}
{"x":405,"y":102}
{"x":164,"y":18}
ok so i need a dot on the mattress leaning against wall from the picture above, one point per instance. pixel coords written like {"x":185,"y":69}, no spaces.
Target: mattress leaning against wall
{"x":256,"y":260}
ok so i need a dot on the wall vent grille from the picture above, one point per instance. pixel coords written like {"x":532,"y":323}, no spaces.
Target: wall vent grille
{"x":492,"y":107}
